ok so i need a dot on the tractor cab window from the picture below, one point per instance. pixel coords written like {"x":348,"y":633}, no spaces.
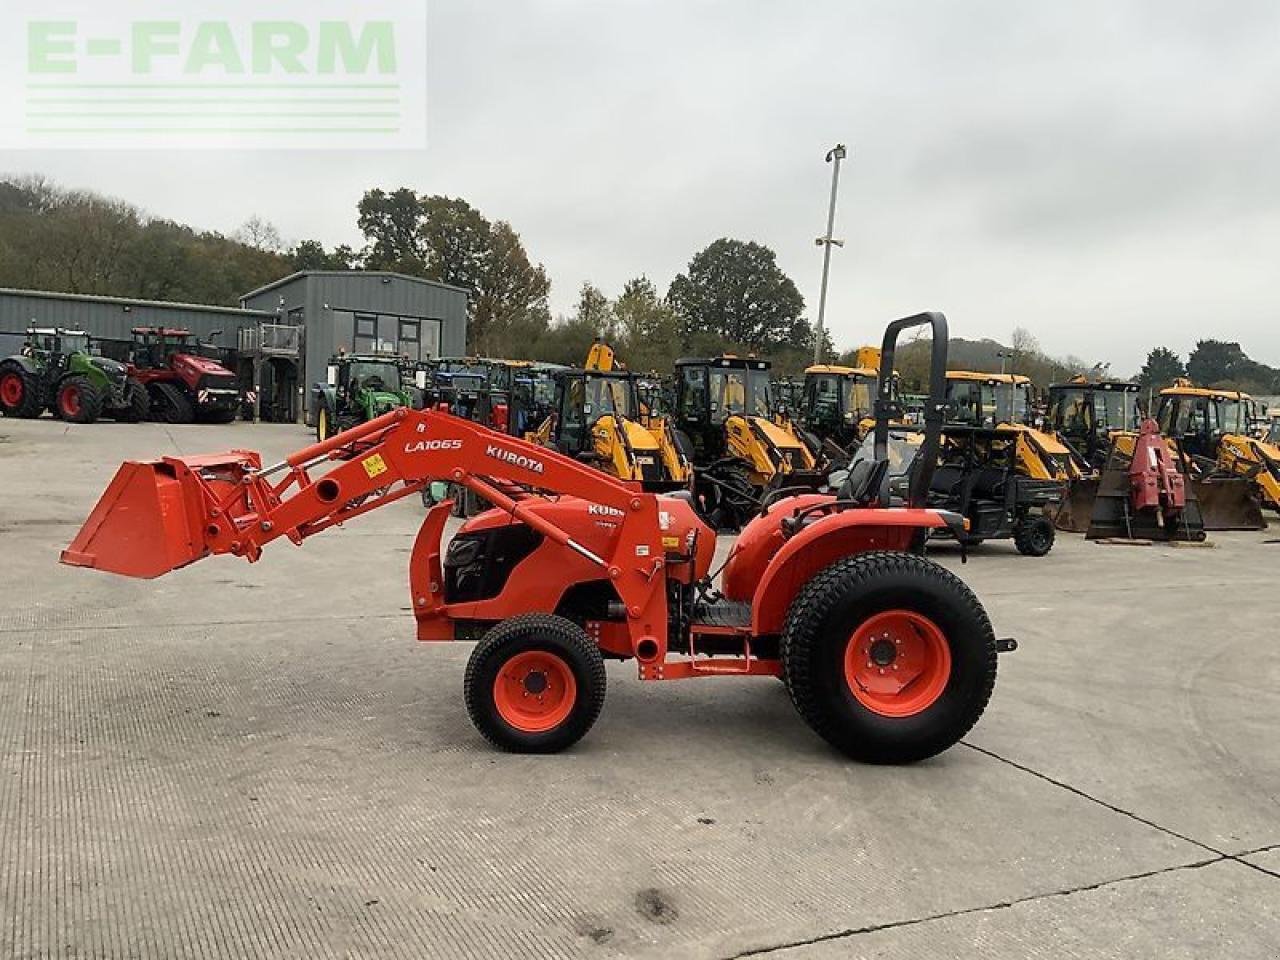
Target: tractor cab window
{"x":365,"y":375}
{"x":1070,"y":410}
{"x":1234,"y":416}
{"x":728,"y":393}
{"x":758,"y":400}
{"x":1010,"y":402}
{"x":74,"y":343}
{"x":573,"y":413}
{"x":964,"y":403}
{"x":859,"y":397}
{"x":693,"y":393}
{"x":824,"y":395}
{"x":1116,"y":410}
{"x":609,"y":395}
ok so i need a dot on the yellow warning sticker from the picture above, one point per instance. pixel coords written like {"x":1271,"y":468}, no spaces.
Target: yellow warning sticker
{"x":374,"y":465}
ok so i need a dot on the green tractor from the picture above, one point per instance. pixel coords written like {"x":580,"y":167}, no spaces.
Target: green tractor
{"x":357,"y":388}
{"x":57,"y":370}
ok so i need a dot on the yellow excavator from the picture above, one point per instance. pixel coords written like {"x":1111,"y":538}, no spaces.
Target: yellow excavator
{"x":724,"y":421}
{"x":1215,"y":430}
{"x":599,"y":419}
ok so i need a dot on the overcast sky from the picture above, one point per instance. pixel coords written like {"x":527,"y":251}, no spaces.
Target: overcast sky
{"x":1106,"y":174}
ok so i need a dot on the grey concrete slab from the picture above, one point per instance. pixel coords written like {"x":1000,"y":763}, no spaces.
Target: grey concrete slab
{"x":1189,"y":914}
{"x":258,"y":760}
{"x":1266,"y":859}
{"x":1148,"y":677}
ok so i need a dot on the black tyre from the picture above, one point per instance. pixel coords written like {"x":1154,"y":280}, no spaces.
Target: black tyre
{"x":137,"y":406}
{"x":1034,"y":536}
{"x":77,"y":400}
{"x":324,"y":424}
{"x":170,"y":404}
{"x":728,"y":496}
{"x":535,"y":684}
{"x":888,"y":657}
{"x":20,"y":392}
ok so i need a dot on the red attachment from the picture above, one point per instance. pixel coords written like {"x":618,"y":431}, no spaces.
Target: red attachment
{"x":162,"y":515}
{"x":1154,"y":480}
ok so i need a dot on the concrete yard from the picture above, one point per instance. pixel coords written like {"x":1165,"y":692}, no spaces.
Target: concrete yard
{"x":258,"y":760}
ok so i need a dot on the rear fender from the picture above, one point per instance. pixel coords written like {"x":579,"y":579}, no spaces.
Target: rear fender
{"x":26,"y":363}
{"x":825,"y":541}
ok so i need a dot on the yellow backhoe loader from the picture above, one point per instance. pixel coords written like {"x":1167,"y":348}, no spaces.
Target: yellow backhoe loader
{"x":1214,"y":429}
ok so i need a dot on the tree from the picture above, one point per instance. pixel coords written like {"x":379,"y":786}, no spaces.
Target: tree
{"x":510,"y":303}
{"x":261,"y":234}
{"x":1163,"y":366}
{"x":456,"y":241}
{"x":735,"y":290}
{"x":595,"y":311}
{"x":311,"y":255}
{"x":392,"y":226}
{"x":647,"y":326}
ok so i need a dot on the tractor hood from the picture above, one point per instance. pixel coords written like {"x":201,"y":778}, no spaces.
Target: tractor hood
{"x":111,"y":368}
{"x":384,"y":400}
{"x":190,"y":363}
{"x":777,"y":437}
{"x":638,"y":438}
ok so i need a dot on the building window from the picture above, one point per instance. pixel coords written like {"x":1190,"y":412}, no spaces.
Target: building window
{"x":366,"y":325}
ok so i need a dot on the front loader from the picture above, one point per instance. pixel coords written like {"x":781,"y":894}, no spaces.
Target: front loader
{"x":886,"y":655}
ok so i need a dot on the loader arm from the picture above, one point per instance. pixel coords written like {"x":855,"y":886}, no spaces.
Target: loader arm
{"x":161,"y":515}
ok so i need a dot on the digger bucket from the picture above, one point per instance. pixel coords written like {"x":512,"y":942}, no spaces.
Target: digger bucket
{"x":1076,"y":509}
{"x":1228,"y":503}
{"x":154,"y":515}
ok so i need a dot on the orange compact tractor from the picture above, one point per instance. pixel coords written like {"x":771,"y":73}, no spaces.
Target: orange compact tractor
{"x":885,"y":654}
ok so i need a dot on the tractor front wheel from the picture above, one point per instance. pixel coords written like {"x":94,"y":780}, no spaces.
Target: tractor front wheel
{"x":888,"y":657}
{"x":77,"y":400}
{"x":19,"y":392}
{"x":535,"y":684}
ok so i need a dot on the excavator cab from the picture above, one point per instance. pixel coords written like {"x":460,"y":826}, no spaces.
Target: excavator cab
{"x":599,"y":418}
{"x":1215,"y":429}
{"x":1087,"y":414}
{"x":724,"y":413}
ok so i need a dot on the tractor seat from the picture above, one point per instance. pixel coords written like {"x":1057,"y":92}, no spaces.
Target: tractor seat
{"x":862,"y":485}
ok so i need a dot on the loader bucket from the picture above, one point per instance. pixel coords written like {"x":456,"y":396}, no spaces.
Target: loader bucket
{"x":1076,"y":509}
{"x":152,"y":517}
{"x":1228,"y":503}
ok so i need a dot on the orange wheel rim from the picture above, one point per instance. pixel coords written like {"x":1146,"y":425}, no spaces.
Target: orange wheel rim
{"x":70,"y":400}
{"x":897,"y":663}
{"x":535,"y":691}
{"x":11,"y":389}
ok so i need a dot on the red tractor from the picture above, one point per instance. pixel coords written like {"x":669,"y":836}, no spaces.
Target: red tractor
{"x":183,"y":385}
{"x":885,"y":654}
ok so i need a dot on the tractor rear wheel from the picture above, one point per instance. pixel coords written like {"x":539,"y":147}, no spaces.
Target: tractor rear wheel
{"x":172,"y":404}
{"x":76,"y":400}
{"x":20,"y":394}
{"x":1034,"y":536}
{"x":535,"y":684}
{"x":888,"y":657}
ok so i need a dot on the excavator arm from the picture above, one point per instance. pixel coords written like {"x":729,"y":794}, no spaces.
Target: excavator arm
{"x":161,"y":515}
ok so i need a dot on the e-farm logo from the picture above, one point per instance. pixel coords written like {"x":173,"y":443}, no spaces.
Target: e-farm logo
{"x":234,"y":74}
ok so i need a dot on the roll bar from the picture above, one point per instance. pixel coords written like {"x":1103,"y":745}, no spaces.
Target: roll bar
{"x":934,"y":410}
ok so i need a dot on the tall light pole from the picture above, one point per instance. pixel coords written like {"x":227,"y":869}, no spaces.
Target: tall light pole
{"x":834,"y":156}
